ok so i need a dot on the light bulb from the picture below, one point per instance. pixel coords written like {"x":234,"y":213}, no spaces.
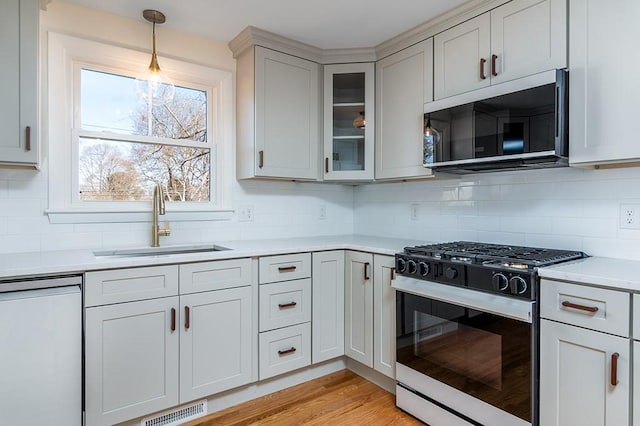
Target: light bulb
{"x":431,"y":139}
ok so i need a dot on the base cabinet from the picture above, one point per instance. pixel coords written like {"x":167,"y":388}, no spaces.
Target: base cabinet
{"x":369,"y":311}
{"x":143,"y":356}
{"x":384,"y":318}
{"x":577,"y":368}
{"x":215,"y":342}
{"x":328,"y":305}
{"x":131,"y":360}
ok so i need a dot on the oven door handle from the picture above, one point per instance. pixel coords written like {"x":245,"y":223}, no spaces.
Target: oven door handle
{"x":517,"y":309}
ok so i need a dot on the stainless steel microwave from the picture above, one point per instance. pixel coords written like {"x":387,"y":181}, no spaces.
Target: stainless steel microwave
{"x":521,"y":124}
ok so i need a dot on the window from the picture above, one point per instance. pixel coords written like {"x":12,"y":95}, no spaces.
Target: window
{"x":114,"y":145}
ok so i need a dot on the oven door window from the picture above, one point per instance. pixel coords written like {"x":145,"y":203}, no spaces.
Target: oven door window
{"x":483,"y":355}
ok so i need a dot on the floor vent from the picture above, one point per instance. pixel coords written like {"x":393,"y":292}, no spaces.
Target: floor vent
{"x":177,"y":416}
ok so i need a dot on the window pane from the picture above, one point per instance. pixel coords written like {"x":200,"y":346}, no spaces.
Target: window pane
{"x":125,"y":171}
{"x":110,"y":103}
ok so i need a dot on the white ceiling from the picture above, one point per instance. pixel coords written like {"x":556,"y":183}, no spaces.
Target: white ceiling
{"x":322,"y":23}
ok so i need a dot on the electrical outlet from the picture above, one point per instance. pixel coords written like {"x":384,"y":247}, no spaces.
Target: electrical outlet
{"x":245,"y":214}
{"x":322,"y":215}
{"x":630,"y":216}
{"x":415,"y":211}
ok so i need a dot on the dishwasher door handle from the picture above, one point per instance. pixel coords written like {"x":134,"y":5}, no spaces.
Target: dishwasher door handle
{"x":37,"y":283}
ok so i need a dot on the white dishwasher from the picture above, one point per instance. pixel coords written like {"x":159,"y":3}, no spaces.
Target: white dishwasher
{"x":41,"y":351}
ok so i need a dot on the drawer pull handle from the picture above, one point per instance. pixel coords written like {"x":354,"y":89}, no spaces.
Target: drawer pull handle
{"x":173,"y":319}
{"x":286,"y":305}
{"x":326,"y":165}
{"x":614,"y":368}
{"x":482,"y":62}
{"x":287,"y":351}
{"x":592,"y":309}
{"x":286,"y":268}
{"x":260,"y":159}
{"x":493,"y":65}
{"x":366,"y":271}
{"x":187,"y":319}
{"x":393,"y":274}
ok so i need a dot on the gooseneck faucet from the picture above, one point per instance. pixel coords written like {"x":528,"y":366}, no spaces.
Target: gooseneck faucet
{"x":158,"y":209}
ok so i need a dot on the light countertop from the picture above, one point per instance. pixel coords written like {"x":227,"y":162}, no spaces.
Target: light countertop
{"x":600,"y":271}
{"x":68,"y":261}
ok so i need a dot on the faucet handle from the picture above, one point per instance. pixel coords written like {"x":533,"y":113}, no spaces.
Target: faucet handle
{"x":166,"y":230}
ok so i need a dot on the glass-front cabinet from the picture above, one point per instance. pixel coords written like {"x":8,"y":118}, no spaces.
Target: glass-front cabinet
{"x":348,"y":121}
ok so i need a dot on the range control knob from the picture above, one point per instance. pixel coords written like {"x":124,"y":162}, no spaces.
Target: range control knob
{"x":450,"y":273}
{"x":411,"y":267}
{"x":401,"y":265}
{"x":500,"y":281}
{"x":423,"y":268}
{"x":517,"y":285}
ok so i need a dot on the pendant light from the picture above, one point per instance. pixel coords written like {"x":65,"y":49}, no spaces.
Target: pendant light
{"x":154,"y":86}
{"x":431,"y":139}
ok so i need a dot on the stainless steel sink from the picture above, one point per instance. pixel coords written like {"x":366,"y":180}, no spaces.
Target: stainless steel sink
{"x":159,"y":251}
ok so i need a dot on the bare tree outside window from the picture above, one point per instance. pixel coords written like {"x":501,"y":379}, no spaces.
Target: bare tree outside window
{"x":117,"y":169}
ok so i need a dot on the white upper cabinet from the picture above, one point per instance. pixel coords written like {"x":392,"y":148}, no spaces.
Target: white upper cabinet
{"x":603,"y":84}
{"x":278,"y":116}
{"x":517,"y":39}
{"x":404,"y":83}
{"x":19,"y":82}
{"x":460,"y":57}
{"x":348,"y":121}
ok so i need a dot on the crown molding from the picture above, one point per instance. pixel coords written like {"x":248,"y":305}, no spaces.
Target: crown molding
{"x":252,"y":36}
{"x":440,"y":23}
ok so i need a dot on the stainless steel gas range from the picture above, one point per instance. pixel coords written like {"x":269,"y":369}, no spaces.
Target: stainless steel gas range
{"x":467,"y":332}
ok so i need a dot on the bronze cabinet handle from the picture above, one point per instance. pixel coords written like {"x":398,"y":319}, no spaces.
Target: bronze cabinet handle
{"x":493,"y":65}
{"x":482,"y":62}
{"x":27,"y":138}
{"x":260,"y":159}
{"x":173,"y":319}
{"x":592,"y":309}
{"x":286,"y":305}
{"x":286,"y":268}
{"x":393,"y":273}
{"x":326,"y":165}
{"x":187,"y":319}
{"x":287,"y":351}
{"x":614,"y":368}
{"x":366,"y":271}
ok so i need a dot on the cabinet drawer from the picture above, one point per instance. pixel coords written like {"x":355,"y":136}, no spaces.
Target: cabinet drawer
{"x":636,"y":320}
{"x":285,"y":267}
{"x":284,"y":304}
{"x":217,"y":275}
{"x":127,"y":285}
{"x":285,"y":349}
{"x":594,"y":308}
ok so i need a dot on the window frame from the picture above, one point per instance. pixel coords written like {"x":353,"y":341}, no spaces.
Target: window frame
{"x":67,"y":55}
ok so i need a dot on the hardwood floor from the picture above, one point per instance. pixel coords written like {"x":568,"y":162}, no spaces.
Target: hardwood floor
{"x":341,"y":398}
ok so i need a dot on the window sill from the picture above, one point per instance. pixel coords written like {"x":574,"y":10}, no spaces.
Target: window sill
{"x":101,"y":216}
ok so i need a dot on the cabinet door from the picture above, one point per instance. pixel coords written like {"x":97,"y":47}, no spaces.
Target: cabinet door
{"x":358,"y":307}
{"x":636,"y":383}
{"x":131,"y":360}
{"x":216,"y":350}
{"x":404,"y":83}
{"x":384,"y":319}
{"x":19,"y":81}
{"x":528,"y":37}
{"x":576,"y":373}
{"x":461,"y":57}
{"x":348,"y":121}
{"x":328,"y":305}
{"x":603,"y":89}
{"x":287,"y":115}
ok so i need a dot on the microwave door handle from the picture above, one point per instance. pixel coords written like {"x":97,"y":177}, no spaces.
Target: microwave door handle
{"x":561,"y":143}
